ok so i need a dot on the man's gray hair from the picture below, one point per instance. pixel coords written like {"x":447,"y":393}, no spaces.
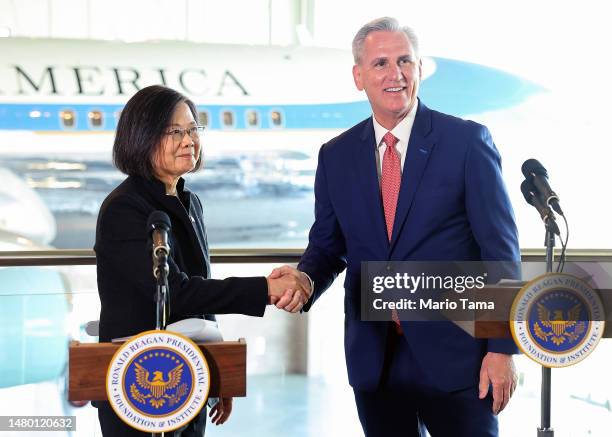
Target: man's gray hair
{"x":385,"y":24}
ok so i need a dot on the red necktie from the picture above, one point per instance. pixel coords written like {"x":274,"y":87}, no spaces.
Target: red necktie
{"x":390,"y":181}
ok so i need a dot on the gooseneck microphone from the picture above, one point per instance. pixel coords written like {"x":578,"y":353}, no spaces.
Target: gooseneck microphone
{"x":530,"y":194}
{"x":158,"y":226}
{"x":538,"y":176}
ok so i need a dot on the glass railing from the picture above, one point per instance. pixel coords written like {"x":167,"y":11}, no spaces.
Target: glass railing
{"x":296,"y":368}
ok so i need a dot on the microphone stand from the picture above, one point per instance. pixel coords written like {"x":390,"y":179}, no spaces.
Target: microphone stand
{"x":545,"y":430}
{"x":161,"y":296}
{"x":160,"y":271}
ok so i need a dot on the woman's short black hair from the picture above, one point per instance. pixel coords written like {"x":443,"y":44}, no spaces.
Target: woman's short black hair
{"x":142,"y":126}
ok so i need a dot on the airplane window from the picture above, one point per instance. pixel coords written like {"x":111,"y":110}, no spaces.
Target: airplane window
{"x":203,"y":118}
{"x":228,"y":119}
{"x":68,"y":118}
{"x":277,"y":118}
{"x":96,"y":118}
{"x":252,"y":118}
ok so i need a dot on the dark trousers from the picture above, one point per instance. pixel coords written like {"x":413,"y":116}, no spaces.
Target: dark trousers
{"x":112,"y":426}
{"x":406,"y":402}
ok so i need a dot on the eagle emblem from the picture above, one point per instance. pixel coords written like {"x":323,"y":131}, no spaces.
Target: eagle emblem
{"x":553,"y":326}
{"x":157,"y":390}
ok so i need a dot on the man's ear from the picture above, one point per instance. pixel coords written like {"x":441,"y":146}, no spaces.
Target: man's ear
{"x":357,"y":77}
{"x":420,"y":69}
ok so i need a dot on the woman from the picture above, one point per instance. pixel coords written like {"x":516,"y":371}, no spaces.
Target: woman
{"x":157,"y":142}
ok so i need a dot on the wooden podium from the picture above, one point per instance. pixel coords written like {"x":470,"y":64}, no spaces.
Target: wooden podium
{"x":88,"y":363}
{"x":481,"y":326}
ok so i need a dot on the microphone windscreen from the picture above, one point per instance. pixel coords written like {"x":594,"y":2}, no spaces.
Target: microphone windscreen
{"x":157,"y":220}
{"x":528,"y":189}
{"x":533,"y":166}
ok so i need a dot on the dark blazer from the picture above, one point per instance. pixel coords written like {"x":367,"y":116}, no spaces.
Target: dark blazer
{"x":125,"y":267}
{"x":452,"y":206}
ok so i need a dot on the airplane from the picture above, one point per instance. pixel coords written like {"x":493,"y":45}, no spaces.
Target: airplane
{"x":35,"y":302}
{"x":18,"y":201}
{"x":266,"y":109}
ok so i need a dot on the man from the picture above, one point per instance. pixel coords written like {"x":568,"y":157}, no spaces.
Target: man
{"x":410,"y":183}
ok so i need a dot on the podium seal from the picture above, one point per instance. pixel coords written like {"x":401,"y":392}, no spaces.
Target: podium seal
{"x":557,"y":320}
{"x":158,"y":381}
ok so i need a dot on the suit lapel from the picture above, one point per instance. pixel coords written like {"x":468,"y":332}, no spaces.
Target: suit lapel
{"x":365,"y":160}
{"x":419,"y":151}
{"x":178,"y":214}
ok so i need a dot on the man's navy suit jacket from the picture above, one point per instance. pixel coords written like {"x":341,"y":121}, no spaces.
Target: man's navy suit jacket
{"x":452,"y":206}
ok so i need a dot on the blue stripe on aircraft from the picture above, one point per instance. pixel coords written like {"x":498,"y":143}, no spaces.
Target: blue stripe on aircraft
{"x":457,"y":88}
{"x":319,"y":116}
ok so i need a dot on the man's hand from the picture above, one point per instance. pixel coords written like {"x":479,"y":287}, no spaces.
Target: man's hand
{"x":288,"y":288}
{"x":498,"y":370}
{"x":221,"y":411}
{"x":296,"y":294}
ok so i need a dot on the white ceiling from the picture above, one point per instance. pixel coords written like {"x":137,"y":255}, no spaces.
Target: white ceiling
{"x":229,"y":21}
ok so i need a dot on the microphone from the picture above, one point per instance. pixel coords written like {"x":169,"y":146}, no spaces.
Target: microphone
{"x":530,"y":194}
{"x":537,"y":174}
{"x":158,"y":226}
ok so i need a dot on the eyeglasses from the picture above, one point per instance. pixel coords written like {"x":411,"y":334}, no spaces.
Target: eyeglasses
{"x":178,"y":133}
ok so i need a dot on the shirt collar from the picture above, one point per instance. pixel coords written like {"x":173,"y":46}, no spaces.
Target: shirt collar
{"x":401,"y":131}
{"x":159,"y":187}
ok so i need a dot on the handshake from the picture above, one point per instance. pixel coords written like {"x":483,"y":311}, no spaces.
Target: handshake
{"x":288,"y":288}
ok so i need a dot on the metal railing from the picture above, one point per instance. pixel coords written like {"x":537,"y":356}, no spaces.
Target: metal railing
{"x":63,"y":257}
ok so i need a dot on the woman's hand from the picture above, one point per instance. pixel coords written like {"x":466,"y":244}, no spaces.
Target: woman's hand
{"x":221,"y":411}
